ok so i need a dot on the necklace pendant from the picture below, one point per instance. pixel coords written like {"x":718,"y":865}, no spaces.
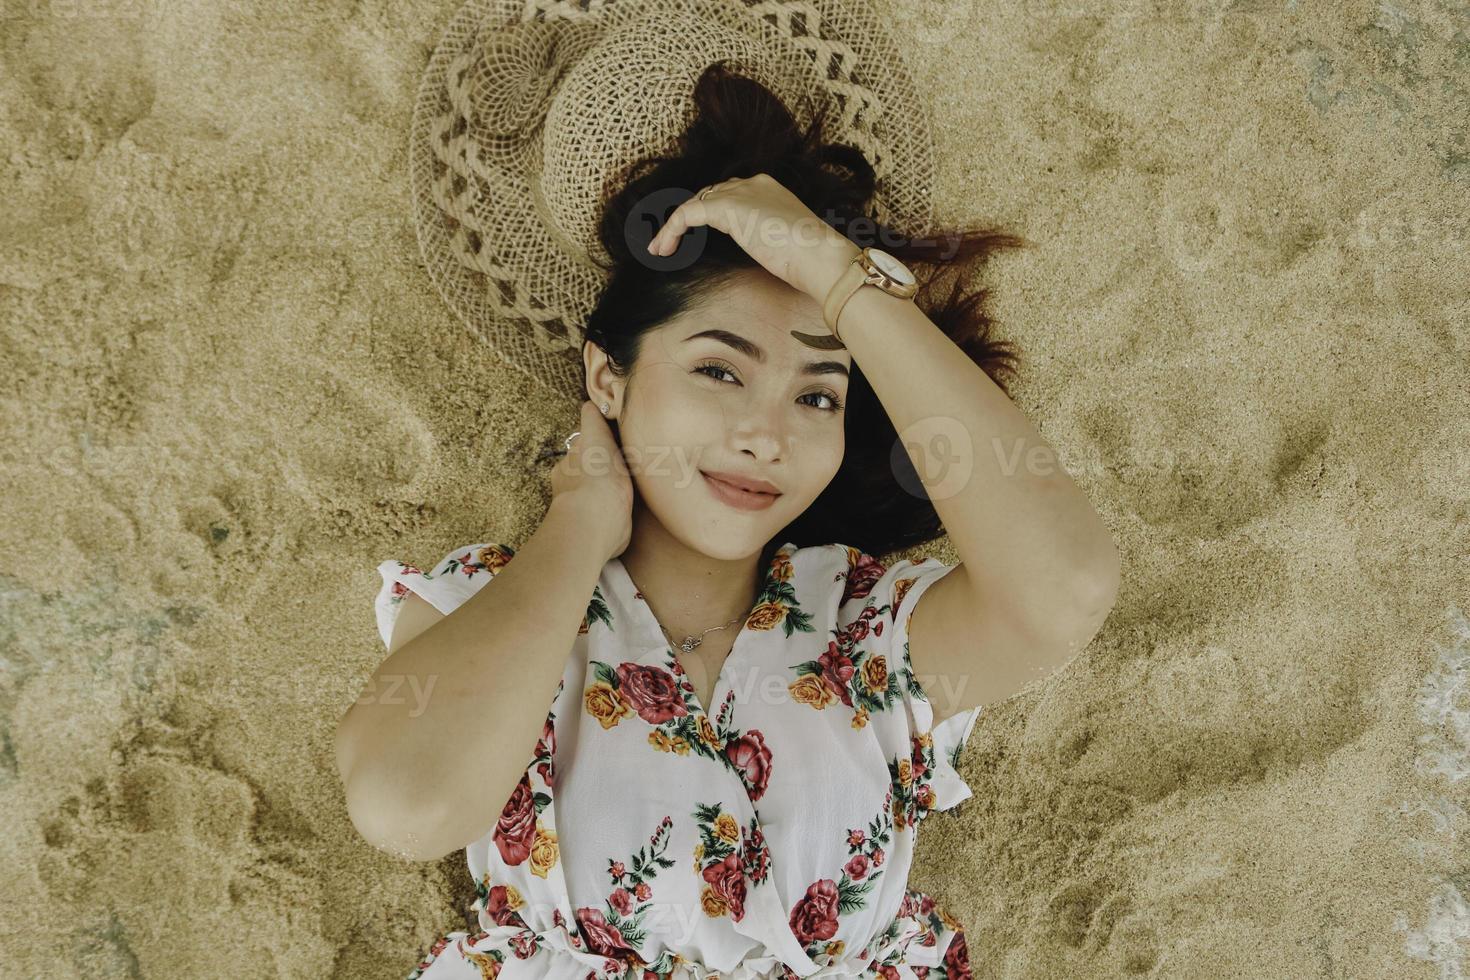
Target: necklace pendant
{"x":689,"y":644}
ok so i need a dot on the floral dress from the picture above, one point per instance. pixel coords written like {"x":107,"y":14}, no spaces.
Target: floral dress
{"x":770,"y":836}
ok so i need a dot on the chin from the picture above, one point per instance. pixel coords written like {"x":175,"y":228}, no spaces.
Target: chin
{"x":725,"y":536}
{"x":728,"y":545}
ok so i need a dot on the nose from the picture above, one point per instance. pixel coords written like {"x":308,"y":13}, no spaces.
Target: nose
{"x":761,"y":431}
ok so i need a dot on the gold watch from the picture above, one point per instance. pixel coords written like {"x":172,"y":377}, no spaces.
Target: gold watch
{"x":871,"y":266}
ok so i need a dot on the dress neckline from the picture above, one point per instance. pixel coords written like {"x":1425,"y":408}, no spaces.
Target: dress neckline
{"x":653,"y":632}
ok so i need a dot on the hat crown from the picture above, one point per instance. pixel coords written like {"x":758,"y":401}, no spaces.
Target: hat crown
{"x":631,"y":96}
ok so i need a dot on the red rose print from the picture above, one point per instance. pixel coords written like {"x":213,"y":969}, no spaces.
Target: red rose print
{"x":926,"y":904}
{"x":499,"y":910}
{"x":877,"y":856}
{"x":727,"y":880}
{"x":908,"y":906}
{"x":837,"y":671}
{"x":957,"y":958}
{"x":888,"y":972}
{"x":815,"y":916}
{"x":602,"y":938}
{"x":855,"y":838}
{"x":863,"y":576}
{"x":749,"y":754}
{"x":651,"y":691}
{"x":524,"y":944}
{"x":642,"y":891}
{"x":857,"y":867}
{"x":756,"y":855}
{"x":516,"y":828}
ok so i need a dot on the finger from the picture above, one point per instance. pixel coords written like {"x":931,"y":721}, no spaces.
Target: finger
{"x":693,"y":212}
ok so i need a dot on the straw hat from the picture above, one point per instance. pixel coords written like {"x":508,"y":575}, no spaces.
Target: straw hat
{"x":527,"y":107}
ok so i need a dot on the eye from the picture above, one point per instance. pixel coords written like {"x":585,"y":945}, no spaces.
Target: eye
{"x":719,"y":367}
{"x":830,"y":396}
{"x":715,"y":365}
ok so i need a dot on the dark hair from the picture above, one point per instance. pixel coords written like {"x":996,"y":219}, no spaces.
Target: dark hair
{"x":741,"y":129}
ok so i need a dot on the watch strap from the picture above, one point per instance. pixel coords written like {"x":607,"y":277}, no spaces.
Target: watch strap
{"x":852,"y":279}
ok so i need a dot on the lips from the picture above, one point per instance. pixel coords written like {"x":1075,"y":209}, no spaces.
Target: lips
{"x":735,"y":496}
{"x":743,"y":483}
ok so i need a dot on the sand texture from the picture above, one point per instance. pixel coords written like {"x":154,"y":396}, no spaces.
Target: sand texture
{"x":230,"y":391}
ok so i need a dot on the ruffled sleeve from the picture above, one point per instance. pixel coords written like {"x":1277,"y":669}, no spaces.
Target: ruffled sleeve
{"x":934,"y":750}
{"x":459,"y":575}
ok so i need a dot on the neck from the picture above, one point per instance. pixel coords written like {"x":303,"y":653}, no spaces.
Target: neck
{"x":689,"y":591}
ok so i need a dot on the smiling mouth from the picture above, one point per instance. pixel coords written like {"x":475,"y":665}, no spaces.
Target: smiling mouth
{"x":736,"y":497}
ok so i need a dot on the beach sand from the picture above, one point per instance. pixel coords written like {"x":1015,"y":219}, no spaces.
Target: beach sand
{"x":233,"y":391}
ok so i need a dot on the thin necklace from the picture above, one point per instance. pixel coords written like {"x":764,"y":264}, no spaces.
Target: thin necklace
{"x":690,"y":642}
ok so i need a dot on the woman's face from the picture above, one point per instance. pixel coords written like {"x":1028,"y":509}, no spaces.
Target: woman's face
{"x":727,"y":388}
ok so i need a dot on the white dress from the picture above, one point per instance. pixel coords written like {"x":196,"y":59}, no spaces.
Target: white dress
{"x":771,"y":838}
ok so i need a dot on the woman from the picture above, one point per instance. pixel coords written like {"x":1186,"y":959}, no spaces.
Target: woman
{"x":739,"y":749}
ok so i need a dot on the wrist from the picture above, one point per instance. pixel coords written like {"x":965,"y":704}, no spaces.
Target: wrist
{"x":585,"y":520}
{"x":829,"y":261}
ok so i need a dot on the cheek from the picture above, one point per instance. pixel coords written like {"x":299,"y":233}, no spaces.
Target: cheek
{"x":670,"y":420}
{"x":830,"y":448}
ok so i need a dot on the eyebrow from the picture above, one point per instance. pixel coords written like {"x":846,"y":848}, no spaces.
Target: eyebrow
{"x":754,"y":352}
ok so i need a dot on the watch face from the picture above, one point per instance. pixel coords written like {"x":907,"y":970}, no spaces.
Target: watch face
{"x":891,"y":267}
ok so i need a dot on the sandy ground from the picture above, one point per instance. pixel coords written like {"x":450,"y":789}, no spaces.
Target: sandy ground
{"x":230,"y":391}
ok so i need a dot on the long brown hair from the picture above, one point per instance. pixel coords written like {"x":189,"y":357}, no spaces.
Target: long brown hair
{"x":741,"y":129}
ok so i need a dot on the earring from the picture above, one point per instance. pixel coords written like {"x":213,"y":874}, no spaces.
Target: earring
{"x":604,"y":408}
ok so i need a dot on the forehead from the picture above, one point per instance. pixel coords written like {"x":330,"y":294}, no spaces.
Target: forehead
{"x":761,"y":308}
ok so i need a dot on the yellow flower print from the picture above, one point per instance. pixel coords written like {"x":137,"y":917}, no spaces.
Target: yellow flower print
{"x":489,"y":966}
{"x":706,"y":730}
{"x":679,"y":745}
{"x":543,"y":851}
{"x":809,"y":689}
{"x":493,"y":558}
{"x":659,"y":740}
{"x":860,"y":718}
{"x":925,"y":739}
{"x":875,"y":673}
{"x":767,"y":616}
{"x":898,"y":814}
{"x":604,"y":703}
{"x":513,"y":898}
{"x":781,"y":569}
{"x":901,"y":589}
{"x":905,"y":771}
{"x":950,"y":921}
{"x":726,"y":828}
{"x":834,"y":949}
{"x":714,"y":906}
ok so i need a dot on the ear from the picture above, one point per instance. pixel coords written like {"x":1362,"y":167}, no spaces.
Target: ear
{"x":602,"y":384}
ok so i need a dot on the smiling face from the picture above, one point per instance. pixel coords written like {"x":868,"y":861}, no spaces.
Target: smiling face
{"x":729,"y":388}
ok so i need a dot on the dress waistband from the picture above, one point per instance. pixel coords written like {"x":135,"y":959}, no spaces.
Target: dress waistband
{"x":519,"y":941}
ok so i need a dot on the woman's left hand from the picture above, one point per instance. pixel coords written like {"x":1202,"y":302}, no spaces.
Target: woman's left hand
{"x":773,"y":227}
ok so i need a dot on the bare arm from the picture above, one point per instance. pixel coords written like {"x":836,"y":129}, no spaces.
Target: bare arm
{"x":473,"y":685}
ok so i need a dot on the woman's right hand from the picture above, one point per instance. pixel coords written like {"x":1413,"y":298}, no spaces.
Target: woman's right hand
{"x":593,"y":478}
